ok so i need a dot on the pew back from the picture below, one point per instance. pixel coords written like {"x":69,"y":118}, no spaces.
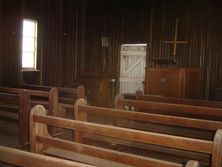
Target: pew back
{"x":194,"y":102}
{"x":183,"y":110}
{"x":66,"y":95}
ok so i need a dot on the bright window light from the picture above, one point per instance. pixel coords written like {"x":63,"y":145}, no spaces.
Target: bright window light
{"x":29,"y":44}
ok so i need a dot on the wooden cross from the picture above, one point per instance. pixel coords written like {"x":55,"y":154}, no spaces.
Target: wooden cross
{"x":175,"y":42}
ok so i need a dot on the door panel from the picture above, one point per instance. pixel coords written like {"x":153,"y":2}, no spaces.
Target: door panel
{"x":132,"y":68}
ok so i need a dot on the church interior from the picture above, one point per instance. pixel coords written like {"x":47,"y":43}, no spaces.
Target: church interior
{"x":113,"y":83}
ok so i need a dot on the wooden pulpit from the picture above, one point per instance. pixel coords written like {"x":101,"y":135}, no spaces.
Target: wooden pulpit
{"x":173,"y":82}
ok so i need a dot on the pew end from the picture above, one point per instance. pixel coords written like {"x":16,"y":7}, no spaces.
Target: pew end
{"x":192,"y":163}
{"x":77,"y":135}
{"x":36,"y":129}
{"x":217,"y":149}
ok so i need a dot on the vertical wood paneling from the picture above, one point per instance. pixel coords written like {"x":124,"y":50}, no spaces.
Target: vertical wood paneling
{"x":198,"y":20}
{"x":10,"y":41}
{"x":59,"y":42}
{"x":70,"y":34}
{"x":120,"y":21}
{"x":1,"y":41}
{"x":128,"y":21}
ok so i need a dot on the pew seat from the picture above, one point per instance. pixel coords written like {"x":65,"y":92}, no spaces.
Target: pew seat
{"x":21,"y":158}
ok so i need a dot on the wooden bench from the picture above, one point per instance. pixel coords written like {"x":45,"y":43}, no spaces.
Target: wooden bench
{"x":42,"y":142}
{"x":183,"y":110}
{"x":27,"y":159}
{"x":49,"y":99}
{"x":186,"y":125}
{"x":194,"y":102}
{"x":19,"y":102}
{"x":13,"y":104}
{"x":66,"y":96}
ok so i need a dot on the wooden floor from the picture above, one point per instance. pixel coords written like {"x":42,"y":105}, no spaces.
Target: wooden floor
{"x":8,"y":135}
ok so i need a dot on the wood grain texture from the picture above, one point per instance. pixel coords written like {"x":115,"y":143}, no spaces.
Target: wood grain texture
{"x":36,"y":129}
{"x":80,"y":116}
{"x":10,"y":41}
{"x":128,"y":159}
{"x":39,"y":117}
{"x":174,"y":109}
{"x":27,"y":159}
{"x":24,"y":108}
{"x":197,"y":145}
{"x":17,"y":101}
{"x":217,"y":151}
{"x":154,"y":120}
{"x":192,"y":163}
{"x":173,"y":82}
{"x":195,"y":102}
{"x":69,"y":45}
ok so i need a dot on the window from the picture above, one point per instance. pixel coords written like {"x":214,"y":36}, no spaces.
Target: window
{"x":29,"y":44}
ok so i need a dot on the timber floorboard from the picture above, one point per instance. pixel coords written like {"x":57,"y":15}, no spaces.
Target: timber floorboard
{"x":9,"y":133}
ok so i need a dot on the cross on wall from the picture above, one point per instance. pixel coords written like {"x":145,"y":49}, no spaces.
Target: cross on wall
{"x":175,"y":42}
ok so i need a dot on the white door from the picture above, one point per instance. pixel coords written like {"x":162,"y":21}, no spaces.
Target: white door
{"x":132,"y":68}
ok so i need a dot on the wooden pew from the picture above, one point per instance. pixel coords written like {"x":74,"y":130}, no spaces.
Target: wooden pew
{"x":16,"y":102}
{"x":82,"y":111}
{"x":27,"y":159}
{"x":49,"y":99}
{"x":42,"y":142}
{"x":194,"y":102}
{"x":19,"y":102}
{"x":183,"y":110}
{"x":66,"y":96}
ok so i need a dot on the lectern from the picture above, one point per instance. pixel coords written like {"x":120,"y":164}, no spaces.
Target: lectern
{"x":164,"y":79}
{"x":173,"y":82}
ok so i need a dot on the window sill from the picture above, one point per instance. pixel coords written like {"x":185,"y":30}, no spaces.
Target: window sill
{"x":29,"y":70}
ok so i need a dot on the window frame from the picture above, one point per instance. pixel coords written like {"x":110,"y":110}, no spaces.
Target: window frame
{"x":34,"y":52}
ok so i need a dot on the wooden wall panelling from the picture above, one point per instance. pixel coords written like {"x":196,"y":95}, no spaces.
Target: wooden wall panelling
{"x":10,"y":40}
{"x":216,"y":49}
{"x":199,"y":25}
{"x":96,"y":66}
{"x":95,"y":15}
{"x":85,"y":22}
{"x":50,"y":47}
{"x":71,"y":41}
{"x":1,"y":43}
{"x":59,"y":42}
{"x":120,"y":21}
